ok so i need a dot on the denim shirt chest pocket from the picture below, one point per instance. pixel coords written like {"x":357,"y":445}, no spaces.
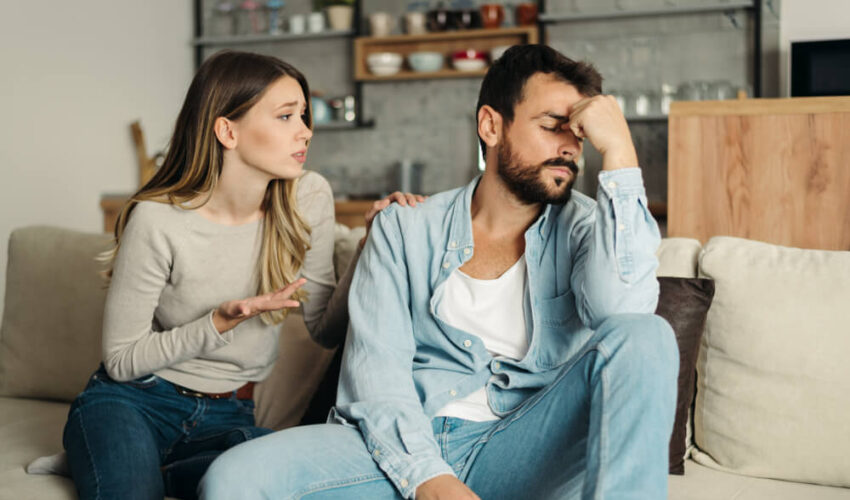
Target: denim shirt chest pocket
{"x":554,"y":319}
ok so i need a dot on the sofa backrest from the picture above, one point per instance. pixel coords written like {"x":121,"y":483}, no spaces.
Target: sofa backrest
{"x":50,"y":336}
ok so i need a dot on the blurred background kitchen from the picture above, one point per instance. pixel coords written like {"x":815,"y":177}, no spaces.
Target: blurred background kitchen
{"x":77,"y":74}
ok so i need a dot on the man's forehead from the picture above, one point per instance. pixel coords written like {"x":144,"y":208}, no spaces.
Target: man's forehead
{"x":545,"y":93}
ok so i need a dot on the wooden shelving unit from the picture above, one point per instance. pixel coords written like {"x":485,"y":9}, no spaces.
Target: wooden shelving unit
{"x":443,"y":42}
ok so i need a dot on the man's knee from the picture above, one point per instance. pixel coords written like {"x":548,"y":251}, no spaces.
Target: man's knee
{"x":646,"y":340}
{"x":232,"y":475}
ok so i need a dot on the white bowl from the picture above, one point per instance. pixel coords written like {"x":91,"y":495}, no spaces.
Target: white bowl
{"x":469,"y":64}
{"x":384,"y":63}
{"x":424,"y":62}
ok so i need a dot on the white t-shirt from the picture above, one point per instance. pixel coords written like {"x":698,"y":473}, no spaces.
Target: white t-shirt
{"x":492,"y":310}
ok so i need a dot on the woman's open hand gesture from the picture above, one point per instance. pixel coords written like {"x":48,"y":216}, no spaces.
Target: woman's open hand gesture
{"x":233,"y":312}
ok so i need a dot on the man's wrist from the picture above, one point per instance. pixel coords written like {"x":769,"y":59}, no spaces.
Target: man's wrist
{"x":616,"y":160}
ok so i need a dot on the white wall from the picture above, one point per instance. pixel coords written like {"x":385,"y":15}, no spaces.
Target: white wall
{"x":73,"y":76}
{"x":803,"y":20}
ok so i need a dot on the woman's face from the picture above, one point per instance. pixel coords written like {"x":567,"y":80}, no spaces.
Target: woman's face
{"x":272,"y":135}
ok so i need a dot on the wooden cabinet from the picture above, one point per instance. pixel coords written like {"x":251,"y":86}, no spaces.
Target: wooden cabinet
{"x":445,"y":43}
{"x":773,"y":170}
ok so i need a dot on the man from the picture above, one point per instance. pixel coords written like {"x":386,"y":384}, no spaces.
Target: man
{"x":501,"y":344}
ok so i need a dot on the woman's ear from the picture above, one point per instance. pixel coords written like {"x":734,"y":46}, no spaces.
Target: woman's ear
{"x":225,"y":132}
{"x":489,"y":126}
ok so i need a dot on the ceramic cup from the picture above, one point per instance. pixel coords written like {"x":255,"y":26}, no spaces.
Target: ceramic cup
{"x":415,"y":23}
{"x":316,"y":22}
{"x":492,"y":15}
{"x":297,"y":24}
{"x":340,"y":16}
{"x":381,"y":24}
{"x":526,"y":14}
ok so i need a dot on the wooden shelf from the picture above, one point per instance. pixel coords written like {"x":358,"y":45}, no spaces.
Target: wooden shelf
{"x":415,"y":75}
{"x":445,"y":42}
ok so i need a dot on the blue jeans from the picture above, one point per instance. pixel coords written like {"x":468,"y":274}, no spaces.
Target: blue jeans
{"x":143,"y":440}
{"x":600,"y":430}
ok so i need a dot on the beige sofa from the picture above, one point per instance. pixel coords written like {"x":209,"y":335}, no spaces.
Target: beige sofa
{"x":49,"y":344}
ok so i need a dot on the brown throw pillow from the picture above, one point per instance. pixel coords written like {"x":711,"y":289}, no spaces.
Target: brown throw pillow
{"x":684,"y":303}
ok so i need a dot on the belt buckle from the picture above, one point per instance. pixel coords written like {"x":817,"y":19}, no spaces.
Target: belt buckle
{"x":187,"y":392}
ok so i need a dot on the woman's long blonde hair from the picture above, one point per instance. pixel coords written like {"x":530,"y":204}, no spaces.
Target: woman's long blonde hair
{"x":228,"y":84}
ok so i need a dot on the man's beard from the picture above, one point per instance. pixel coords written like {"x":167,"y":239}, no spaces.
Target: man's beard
{"x":526,"y":181}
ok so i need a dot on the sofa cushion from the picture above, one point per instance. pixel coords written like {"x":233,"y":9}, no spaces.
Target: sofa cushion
{"x":50,"y":338}
{"x":29,"y":429}
{"x":684,"y":303}
{"x":677,"y":257}
{"x":772,"y":377}
{"x":704,"y":483}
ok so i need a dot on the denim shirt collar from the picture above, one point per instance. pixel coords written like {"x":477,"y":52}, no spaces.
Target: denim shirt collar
{"x":460,"y":232}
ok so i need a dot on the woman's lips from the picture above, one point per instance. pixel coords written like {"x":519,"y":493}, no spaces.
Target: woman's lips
{"x":300,"y":156}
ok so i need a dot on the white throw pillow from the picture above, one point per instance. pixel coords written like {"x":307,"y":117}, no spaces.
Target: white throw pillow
{"x":773,"y":377}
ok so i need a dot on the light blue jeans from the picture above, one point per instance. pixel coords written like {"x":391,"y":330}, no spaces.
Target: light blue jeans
{"x":600,"y":430}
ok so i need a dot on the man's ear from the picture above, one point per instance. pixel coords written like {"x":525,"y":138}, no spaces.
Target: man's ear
{"x":489,"y":126}
{"x":225,"y":132}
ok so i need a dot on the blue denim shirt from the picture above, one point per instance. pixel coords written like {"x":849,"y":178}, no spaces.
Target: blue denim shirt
{"x":586,"y":261}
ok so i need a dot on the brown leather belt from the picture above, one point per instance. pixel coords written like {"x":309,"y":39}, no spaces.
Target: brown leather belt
{"x":244,"y":392}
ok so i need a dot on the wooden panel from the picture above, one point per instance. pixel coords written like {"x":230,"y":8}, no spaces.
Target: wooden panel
{"x":351,"y":213}
{"x":777,"y":171}
{"x":445,"y":42}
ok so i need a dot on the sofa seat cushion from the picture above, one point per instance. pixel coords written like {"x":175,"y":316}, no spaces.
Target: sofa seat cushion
{"x":30,"y":429}
{"x":772,"y":378}
{"x":705,"y":483}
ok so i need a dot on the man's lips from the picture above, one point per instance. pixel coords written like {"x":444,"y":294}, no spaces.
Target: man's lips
{"x":562,"y":171}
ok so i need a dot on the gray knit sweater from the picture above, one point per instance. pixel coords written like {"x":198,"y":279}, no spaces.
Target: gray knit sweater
{"x":174,"y":268}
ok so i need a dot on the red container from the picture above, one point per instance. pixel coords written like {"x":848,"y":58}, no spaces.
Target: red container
{"x":492,"y":15}
{"x":526,"y":14}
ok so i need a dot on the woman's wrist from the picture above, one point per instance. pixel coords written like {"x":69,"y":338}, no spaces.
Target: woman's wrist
{"x":221,"y":323}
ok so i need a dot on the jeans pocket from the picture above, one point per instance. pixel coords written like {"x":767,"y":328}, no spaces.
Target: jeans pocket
{"x":245,"y":406}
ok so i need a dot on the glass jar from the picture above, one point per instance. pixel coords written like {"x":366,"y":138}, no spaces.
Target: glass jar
{"x":275,"y":16}
{"x":223,"y":19}
{"x":251,"y":18}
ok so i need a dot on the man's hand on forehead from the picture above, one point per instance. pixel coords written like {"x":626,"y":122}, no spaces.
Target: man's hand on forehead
{"x":601,"y":121}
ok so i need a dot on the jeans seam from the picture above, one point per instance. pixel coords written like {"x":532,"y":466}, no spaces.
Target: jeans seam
{"x":337,"y":484}
{"x":90,"y":454}
{"x":603,"y":423}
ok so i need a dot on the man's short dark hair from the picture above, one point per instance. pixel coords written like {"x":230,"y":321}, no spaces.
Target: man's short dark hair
{"x":504,"y":83}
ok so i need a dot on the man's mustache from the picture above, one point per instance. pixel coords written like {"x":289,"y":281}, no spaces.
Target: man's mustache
{"x":561,"y":162}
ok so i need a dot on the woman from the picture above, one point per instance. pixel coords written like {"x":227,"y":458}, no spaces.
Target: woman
{"x":210,"y":256}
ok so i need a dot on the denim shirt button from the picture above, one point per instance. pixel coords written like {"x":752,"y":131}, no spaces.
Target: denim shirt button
{"x":453,"y":393}
{"x":453,"y":244}
{"x":446,"y":265}
{"x":612,"y":184}
{"x":376,"y":453}
{"x":621,"y":227}
{"x":466,"y":251}
{"x":467,"y":343}
{"x":497,"y":365}
{"x":403,"y":483}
